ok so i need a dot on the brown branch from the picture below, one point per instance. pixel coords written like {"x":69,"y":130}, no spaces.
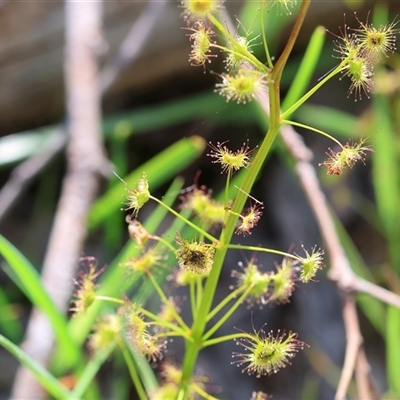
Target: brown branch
{"x":129,"y":51}
{"x":85,"y":159}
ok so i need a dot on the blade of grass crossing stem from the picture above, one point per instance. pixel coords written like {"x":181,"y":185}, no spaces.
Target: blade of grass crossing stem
{"x":306,"y":68}
{"x":48,"y":381}
{"x":158,"y":170}
{"x":113,"y":282}
{"x":30,"y":283}
{"x":89,"y":372}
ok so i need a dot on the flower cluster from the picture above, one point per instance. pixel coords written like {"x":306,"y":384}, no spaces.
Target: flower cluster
{"x":361,"y":50}
{"x":195,"y":257}
{"x":349,"y":154}
{"x":139,"y":336}
{"x":85,"y":294}
{"x":207,"y":210}
{"x":267,"y":353}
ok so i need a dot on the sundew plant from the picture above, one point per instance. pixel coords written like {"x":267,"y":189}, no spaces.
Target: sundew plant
{"x":192,"y":253}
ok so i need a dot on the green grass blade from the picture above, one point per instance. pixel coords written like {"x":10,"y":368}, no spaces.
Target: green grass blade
{"x":159,"y":169}
{"x":326,"y":119}
{"x":29,"y":282}
{"x":48,"y":381}
{"x":306,"y":69}
{"x":89,"y":372}
{"x":9,"y":323}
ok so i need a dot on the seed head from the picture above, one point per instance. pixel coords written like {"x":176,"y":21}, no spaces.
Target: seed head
{"x":243,"y":86}
{"x":267,"y":353}
{"x":285,"y":5}
{"x":249,"y":220}
{"x":377,"y":43}
{"x":146,"y":261}
{"x":105,"y":332}
{"x":259,"y":396}
{"x":236,"y":57}
{"x":139,"y":336}
{"x":209,"y":211}
{"x":251,"y":278}
{"x":360,"y":71}
{"x":230,"y":160}
{"x":137,"y":231}
{"x":199,"y":9}
{"x":195,"y":257}
{"x":85,"y":294}
{"x":282,"y":282}
{"x":137,"y":197}
{"x":201,"y":44}
{"x":337,"y":162}
{"x":310,"y":264}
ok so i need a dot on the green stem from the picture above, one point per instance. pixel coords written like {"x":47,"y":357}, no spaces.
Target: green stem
{"x":224,"y":302}
{"x":193,"y":302}
{"x":310,"y":128}
{"x":132,"y":370}
{"x":263,"y":250}
{"x":192,"y":349}
{"x":166,"y":301}
{"x":222,"y":339}
{"x":111,"y":299}
{"x":227,"y":315}
{"x":164,"y":242}
{"x":264,"y":36}
{"x":303,"y":99}
{"x":161,"y":322}
{"x":186,"y":221}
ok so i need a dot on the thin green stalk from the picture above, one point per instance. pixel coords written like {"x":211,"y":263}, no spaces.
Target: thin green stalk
{"x":193,"y":302}
{"x":224,"y":302}
{"x":161,"y":322}
{"x":199,"y":292}
{"x":262,"y":249}
{"x":202,"y":392}
{"x":186,"y":221}
{"x":132,"y":370}
{"x":264,"y":36}
{"x":166,"y":301}
{"x":227,"y":315}
{"x":110,"y":299}
{"x":310,"y":128}
{"x":223,"y":339}
{"x":250,"y":57}
{"x":303,"y":99}
{"x":164,"y":242}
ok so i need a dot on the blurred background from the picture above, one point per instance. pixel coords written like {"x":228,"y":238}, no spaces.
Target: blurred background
{"x":153,"y":98}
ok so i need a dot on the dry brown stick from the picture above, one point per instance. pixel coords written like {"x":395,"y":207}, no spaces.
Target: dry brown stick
{"x":85,"y":159}
{"x":354,"y":341}
{"x":129,"y":51}
{"x":340,"y":270}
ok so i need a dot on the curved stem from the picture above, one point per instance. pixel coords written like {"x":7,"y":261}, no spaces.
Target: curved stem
{"x":186,"y":221}
{"x":263,"y":249}
{"x":166,"y":301}
{"x":310,"y":128}
{"x":227,"y":315}
{"x":222,"y":339}
{"x":132,"y":370}
{"x":224,"y":302}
